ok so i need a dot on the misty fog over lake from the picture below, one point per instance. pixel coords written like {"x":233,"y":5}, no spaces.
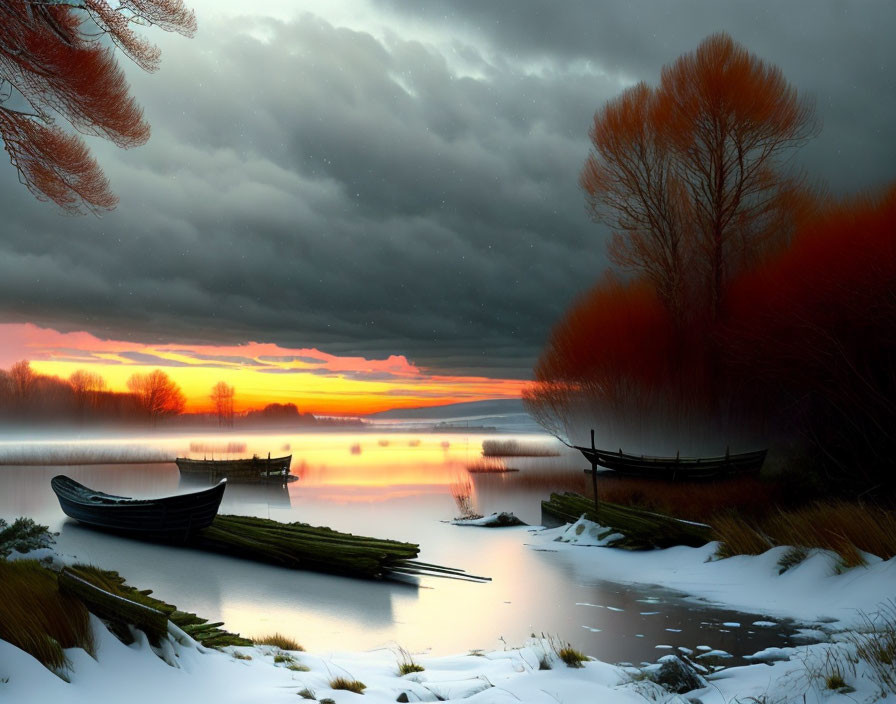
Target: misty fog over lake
{"x":386,"y":483}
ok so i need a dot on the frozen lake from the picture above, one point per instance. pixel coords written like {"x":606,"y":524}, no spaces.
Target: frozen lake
{"x":388,"y":484}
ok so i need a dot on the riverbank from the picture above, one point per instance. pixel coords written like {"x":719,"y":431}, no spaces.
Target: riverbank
{"x":842,"y":606}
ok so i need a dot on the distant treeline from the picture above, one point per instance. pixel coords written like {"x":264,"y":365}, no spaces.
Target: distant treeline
{"x":30,"y":398}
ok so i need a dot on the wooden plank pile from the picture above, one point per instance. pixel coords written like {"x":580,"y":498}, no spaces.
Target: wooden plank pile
{"x":301,"y":546}
{"x":641,"y":530}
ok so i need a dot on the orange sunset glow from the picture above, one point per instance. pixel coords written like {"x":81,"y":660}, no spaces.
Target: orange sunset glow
{"x":261,"y":373}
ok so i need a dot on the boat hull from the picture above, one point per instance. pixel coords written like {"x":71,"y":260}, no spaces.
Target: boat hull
{"x":676,"y":468}
{"x":263,"y":469}
{"x":169,"y":518}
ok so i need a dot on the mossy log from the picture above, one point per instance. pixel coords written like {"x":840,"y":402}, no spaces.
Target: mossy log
{"x":112,"y":583}
{"x":114,"y":607}
{"x":301,"y":546}
{"x":642,"y":530}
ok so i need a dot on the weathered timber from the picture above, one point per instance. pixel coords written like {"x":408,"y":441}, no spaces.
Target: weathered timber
{"x":642,"y":530}
{"x":112,"y":583}
{"x":114,"y":607}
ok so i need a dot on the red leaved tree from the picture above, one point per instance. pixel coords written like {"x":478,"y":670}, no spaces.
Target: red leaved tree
{"x":811,"y":339}
{"x":54,"y":62}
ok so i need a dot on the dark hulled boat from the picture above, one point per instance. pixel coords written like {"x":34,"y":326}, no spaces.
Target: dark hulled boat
{"x":168,"y":518}
{"x":252,"y":470}
{"x":675,"y":468}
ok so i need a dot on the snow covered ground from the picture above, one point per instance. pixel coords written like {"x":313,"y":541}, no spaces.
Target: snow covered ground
{"x":524,"y":672}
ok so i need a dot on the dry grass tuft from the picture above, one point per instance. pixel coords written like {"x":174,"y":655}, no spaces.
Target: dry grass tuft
{"x":572,"y":657}
{"x":876,"y":645}
{"x":407,"y":664}
{"x":37,"y":618}
{"x":845,"y":528}
{"x":278,"y":640}
{"x":848,"y":529}
{"x":348,"y":685}
{"x":737,"y":537}
{"x":462,"y":492}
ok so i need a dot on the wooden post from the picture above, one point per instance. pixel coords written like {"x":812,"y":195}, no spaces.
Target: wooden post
{"x":594,"y":471}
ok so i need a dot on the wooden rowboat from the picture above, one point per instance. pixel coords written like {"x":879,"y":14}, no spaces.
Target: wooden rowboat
{"x":675,"y":468}
{"x":168,"y":518}
{"x":253,"y":469}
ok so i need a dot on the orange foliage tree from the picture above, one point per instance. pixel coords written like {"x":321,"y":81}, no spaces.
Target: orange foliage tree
{"x":53,"y":62}
{"x":693,"y":174}
{"x":157,"y":394}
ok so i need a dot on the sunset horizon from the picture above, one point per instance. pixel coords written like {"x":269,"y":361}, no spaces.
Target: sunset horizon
{"x":260,"y":373}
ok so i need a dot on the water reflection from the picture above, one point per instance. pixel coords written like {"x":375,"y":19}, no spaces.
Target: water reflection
{"x":400,"y":486}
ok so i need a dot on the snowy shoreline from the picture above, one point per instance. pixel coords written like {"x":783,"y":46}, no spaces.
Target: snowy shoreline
{"x":531,"y":672}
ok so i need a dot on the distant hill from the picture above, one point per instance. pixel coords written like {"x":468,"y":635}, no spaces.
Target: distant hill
{"x":495,"y":407}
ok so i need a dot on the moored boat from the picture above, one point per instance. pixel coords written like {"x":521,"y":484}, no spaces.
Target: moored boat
{"x":252,"y":469}
{"x":675,"y":468}
{"x":168,"y":518}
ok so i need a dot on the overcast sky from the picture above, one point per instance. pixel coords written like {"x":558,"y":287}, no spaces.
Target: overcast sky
{"x":376,"y":178}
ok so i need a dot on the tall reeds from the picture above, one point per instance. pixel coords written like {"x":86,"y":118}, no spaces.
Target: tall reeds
{"x":77,"y":454}
{"x":848,"y":529}
{"x":37,"y":618}
{"x":517,"y":448}
{"x":210,"y":448}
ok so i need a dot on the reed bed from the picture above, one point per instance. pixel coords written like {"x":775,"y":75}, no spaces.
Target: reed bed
{"x":36,"y":617}
{"x":231,"y":448}
{"x":462,"y":493}
{"x":64,"y":455}
{"x":518,"y":448}
{"x":489,"y":465}
{"x":848,"y":529}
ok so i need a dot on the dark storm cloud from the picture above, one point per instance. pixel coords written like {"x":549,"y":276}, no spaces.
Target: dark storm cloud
{"x":840,"y":53}
{"x":315,"y":186}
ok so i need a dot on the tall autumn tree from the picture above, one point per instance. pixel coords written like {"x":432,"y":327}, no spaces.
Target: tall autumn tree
{"x":157,"y":394}
{"x":55,"y":60}
{"x":695,"y":175}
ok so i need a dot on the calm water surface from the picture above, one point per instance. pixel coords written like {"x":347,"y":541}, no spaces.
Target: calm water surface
{"x":390,"y":485}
